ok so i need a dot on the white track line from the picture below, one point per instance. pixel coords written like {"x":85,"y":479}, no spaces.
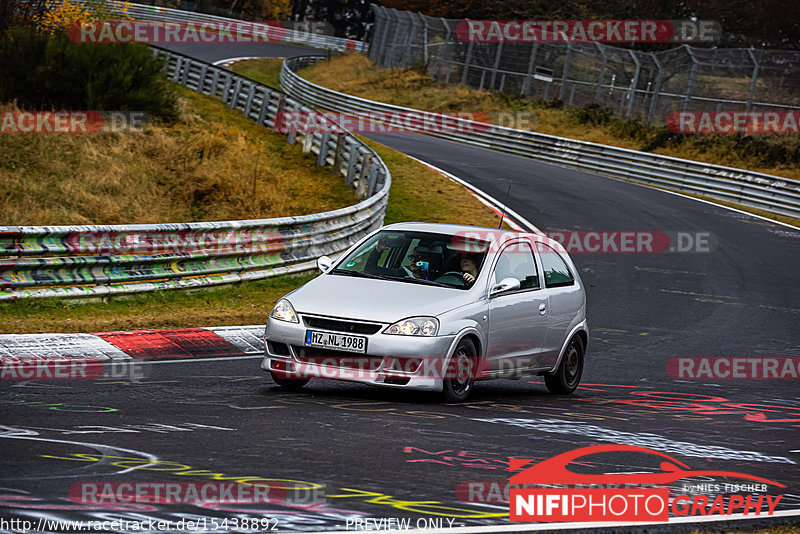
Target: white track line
{"x":228,"y":61}
{"x":486,"y":199}
{"x":549,"y":527}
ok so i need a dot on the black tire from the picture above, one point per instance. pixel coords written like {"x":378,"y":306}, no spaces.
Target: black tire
{"x":288,"y":383}
{"x":568,"y":375}
{"x":459,"y":377}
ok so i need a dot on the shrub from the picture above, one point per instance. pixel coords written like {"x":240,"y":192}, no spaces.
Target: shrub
{"x":43,"y":72}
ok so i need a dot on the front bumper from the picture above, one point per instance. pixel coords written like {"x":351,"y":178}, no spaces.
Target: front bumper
{"x":410,"y":362}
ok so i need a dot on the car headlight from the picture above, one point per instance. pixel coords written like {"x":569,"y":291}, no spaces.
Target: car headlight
{"x":283,"y":311}
{"x":414,"y":326}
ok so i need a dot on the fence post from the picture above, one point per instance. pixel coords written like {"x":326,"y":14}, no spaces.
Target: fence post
{"x":443,"y":53}
{"x":226,"y":89}
{"x":201,"y":83}
{"x":601,"y":77}
{"x":186,"y":66}
{"x":361,"y":188}
{"x":380,"y":55}
{"x":214,"y":81}
{"x":656,"y":89}
{"x":692,"y":76}
{"x":351,"y":164}
{"x":565,"y":72}
{"x":467,"y":59}
{"x":634,"y":83}
{"x":262,"y":113}
{"x":248,"y":104}
{"x":308,"y":143}
{"x":237,"y":88}
{"x":390,"y":51}
{"x":323,"y":149}
{"x":373,"y":178}
{"x":424,"y":20}
{"x":753,"y":79}
{"x":337,"y":155}
{"x":526,"y":83}
{"x":408,"y":55}
{"x":496,"y":66}
{"x":178,"y":64}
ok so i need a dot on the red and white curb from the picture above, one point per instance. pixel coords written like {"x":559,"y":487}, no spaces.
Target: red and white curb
{"x":214,"y":342}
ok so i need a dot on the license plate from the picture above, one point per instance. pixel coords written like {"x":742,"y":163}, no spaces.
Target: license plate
{"x":330,"y":340}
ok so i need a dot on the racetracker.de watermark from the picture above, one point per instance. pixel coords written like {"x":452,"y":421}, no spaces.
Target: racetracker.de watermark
{"x":733,"y":368}
{"x":73,"y":122}
{"x":734,"y":122}
{"x":204,"y":493}
{"x":196,"y":32}
{"x":591,"y":242}
{"x":164,"y":32}
{"x":596,"y":31}
{"x":87,"y":368}
{"x":389,"y":122}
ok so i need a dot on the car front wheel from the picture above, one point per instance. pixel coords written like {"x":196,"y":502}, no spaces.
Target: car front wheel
{"x":568,"y":375}
{"x":460,"y":374}
{"x":289,"y":383}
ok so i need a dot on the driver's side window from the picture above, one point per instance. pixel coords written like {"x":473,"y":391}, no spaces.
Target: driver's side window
{"x":516,"y":261}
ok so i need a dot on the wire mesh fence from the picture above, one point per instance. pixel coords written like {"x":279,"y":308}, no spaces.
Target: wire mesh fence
{"x":642,"y":85}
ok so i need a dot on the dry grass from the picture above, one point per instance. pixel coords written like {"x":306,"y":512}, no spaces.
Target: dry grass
{"x":213,"y":164}
{"x":417,"y":194}
{"x":356,"y":75}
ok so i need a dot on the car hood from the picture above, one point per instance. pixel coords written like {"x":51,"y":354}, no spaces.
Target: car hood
{"x":366,"y":299}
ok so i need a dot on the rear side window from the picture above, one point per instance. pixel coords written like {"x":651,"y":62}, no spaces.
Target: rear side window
{"x":556,"y":272}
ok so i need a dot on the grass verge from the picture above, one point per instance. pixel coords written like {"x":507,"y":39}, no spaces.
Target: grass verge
{"x":418,"y":194}
{"x":211,"y":164}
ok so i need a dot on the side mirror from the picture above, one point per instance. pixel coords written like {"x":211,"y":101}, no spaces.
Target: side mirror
{"x":506,"y":284}
{"x":324,"y":264}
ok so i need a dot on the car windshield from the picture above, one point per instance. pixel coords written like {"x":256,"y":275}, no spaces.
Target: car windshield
{"x":417,"y":257}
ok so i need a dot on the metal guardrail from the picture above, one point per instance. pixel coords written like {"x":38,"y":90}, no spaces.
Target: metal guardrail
{"x":756,"y":190}
{"x":157,"y":13}
{"x":96,"y":261}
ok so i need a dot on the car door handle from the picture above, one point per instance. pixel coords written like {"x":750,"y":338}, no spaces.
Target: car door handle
{"x":542,"y":308}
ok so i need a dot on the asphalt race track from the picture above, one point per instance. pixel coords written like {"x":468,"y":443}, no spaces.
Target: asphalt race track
{"x":336,"y":453}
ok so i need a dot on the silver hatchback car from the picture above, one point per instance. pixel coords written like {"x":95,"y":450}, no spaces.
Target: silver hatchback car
{"x":434,"y":307}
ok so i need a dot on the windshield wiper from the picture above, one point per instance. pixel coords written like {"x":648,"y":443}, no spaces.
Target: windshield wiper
{"x":417,"y":281}
{"x":362,"y":274}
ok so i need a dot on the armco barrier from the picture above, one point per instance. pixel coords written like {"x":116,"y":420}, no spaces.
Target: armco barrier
{"x":756,"y":190}
{"x":157,"y":13}
{"x":95,"y":261}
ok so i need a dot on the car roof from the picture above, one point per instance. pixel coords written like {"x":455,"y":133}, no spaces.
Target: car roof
{"x":499,"y":235}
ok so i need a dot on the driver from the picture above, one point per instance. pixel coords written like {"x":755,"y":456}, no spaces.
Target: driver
{"x":414,"y":258}
{"x":414,"y":269}
{"x":469,"y":269}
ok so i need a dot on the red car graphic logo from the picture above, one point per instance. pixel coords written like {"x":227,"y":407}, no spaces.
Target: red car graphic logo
{"x":554,"y":470}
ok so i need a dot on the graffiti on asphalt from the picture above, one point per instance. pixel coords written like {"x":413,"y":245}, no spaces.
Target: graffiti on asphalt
{"x":641,"y":439}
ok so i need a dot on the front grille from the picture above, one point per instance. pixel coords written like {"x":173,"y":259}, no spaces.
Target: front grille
{"x":337,"y":358}
{"x":335,"y":325}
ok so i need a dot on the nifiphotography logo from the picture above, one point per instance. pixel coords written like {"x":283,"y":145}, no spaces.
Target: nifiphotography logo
{"x":548,"y":491}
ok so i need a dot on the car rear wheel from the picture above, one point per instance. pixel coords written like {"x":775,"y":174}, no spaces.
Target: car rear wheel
{"x":568,"y":375}
{"x":289,"y":383}
{"x":460,"y":374}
